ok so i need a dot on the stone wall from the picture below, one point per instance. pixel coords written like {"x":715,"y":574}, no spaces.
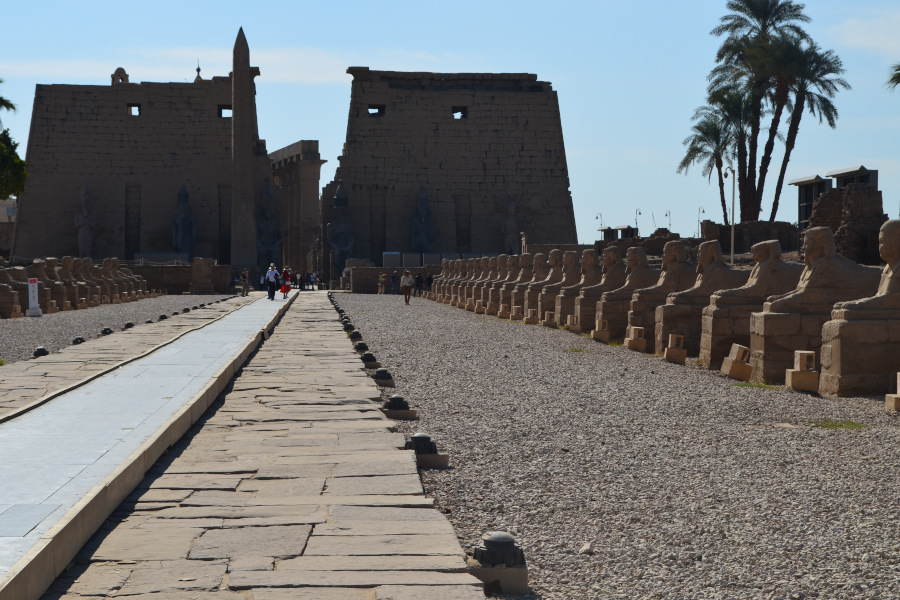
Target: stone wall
{"x":364,"y":280}
{"x":747,"y":234}
{"x":177,"y":280}
{"x":484,"y":150}
{"x":6,"y":233}
{"x":854,"y":213}
{"x":546,"y":248}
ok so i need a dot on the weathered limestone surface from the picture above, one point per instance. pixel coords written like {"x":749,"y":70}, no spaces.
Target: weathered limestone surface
{"x":554,"y":275}
{"x":726,"y":320}
{"x":571,"y":275}
{"x":493,"y":294}
{"x":525,"y":274}
{"x":613,"y":306}
{"x":859,"y":343}
{"x":677,"y":275}
{"x":292,"y":488}
{"x":794,"y":321}
{"x":682,"y":313}
{"x":481,"y":291}
{"x":484,"y":269}
{"x":612,"y":279}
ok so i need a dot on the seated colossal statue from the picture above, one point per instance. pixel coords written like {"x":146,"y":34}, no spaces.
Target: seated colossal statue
{"x":571,"y":275}
{"x":859,"y":344}
{"x":612,"y":278}
{"x":553,"y":273}
{"x":612,"y":308}
{"x":677,"y":274}
{"x":793,"y":321}
{"x":726,"y":320}
{"x":682,"y":314}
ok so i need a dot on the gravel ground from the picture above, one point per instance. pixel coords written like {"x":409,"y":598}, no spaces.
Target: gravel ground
{"x":687,"y":485}
{"x":19,"y":337}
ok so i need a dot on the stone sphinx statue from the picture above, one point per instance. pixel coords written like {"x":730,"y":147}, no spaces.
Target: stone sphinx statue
{"x":58,"y":293}
{"x":482,"y":289}
{"x":682,"y":313}
{"x":421,"y":226}
{"x":591,"y":275}
{"x":793,"y":321}
{"x":613,"y":306}
{"x":525,"y":274}
{"x":184,"y":227}
{"x":458,"y":288}
{"x":90,"y":293}
{"x":440,"y":278}
{"x":677,"y":274}
{"x":571,"y":275}
{"x":539,"y":271}
{"x":726,"y":320}
{"x":613,"y":278}
{"x":85,"y":223}
{"x":535,"y":288}
{"x":492,"y":307}
{"x":484,"y":270}
{"x":859,"y":344}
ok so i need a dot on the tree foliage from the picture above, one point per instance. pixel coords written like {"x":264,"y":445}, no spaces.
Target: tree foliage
{"x":768,"y":73}
{"x":12,"y":168}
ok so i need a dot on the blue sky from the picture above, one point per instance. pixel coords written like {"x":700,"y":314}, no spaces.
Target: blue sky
{"x":628,"y":75}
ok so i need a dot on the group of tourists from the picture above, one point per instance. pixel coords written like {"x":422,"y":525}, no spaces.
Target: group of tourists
{"x":273,"y":281}
{"x":409,"y":285}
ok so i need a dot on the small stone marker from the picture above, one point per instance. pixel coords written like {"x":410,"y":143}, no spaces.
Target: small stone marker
{"x":572,"y":323}
{"x":518,"y":313}
{"x":675,"y":352}
{"x":503,"y":313}
{"x":803,"y":377}
{"x":396,"y":407}
{"x":602,"y":332}
{"x":16,"y":312}
{"x":383,"y":377}
{"x":426,"y":452}
{"x":636,"y":342}
{"x":892,"y":401}
{"x":500,"y":564}
{"x":479,"y":307}
{"x":34,"y":307}
{"x":369,"y":360}
{"x":532,"y":318}
{"x":549,"y":320}
{"x":735,"y":365}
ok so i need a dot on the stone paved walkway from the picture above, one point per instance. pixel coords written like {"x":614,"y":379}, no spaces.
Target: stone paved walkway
{"x":292,"y":486}
{"x":29,"y":382}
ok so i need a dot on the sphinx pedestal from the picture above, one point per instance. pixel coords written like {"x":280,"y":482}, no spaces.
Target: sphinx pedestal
{"x":774,"y":337}
{"x":642,"y":313}
{"x":720,"y":328}
{"x":680,"y":319}
{"x":859,"y":355}
{"x":615,"y":313}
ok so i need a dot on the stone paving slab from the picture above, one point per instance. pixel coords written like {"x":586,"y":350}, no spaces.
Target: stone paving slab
{"x":302,"y":492}
{"x":82,"y":452}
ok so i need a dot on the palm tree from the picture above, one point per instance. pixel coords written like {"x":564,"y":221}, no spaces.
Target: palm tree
{"x":894,"y":80}
{"x":749,"y":30}
{"x":708,"y":146}
{"x":5,"y":105}
{"x":817,"y":81}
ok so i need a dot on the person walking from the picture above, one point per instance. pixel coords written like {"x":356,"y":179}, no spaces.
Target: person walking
{"x":419,"y":281}
{"x":395,"y":283}
{"x":286,"y":278}
{"x":271,"y":277}
{"x":381,"y":279}
{"x":312,"y":281}
{"x":428,"y":283}
{"x":406,"y":284}
{"x":245,"y":282}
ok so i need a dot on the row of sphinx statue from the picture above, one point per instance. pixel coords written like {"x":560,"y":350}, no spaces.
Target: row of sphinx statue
{"x":70,"y":284}
{"x":849,"y":314}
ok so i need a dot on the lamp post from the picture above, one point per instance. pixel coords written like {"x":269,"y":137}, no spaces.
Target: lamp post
{"x":732,"y":210}
{"x":637,"y":213}
{"x":700,"y":210}
{"x":669,"y":215}
{"x":599,"y":216}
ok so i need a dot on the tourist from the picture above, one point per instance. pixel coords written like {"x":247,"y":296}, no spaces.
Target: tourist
{"x":406,"y":283}
{"x":245,"y":282}
{"x":429,"y":281}
{"x":381,"y":280}
{"x":271,"y":278}
{"x":395,"y":283}
{"x":312,"y":281}
{"x":419,"y":282}
{"x":286,"y":278}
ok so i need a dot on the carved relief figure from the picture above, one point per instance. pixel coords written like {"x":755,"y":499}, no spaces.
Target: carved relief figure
{"x":421,"y":226}
{"x":184,"y":227}
{"x":268,"y":228}
{"x":85,"y":222}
